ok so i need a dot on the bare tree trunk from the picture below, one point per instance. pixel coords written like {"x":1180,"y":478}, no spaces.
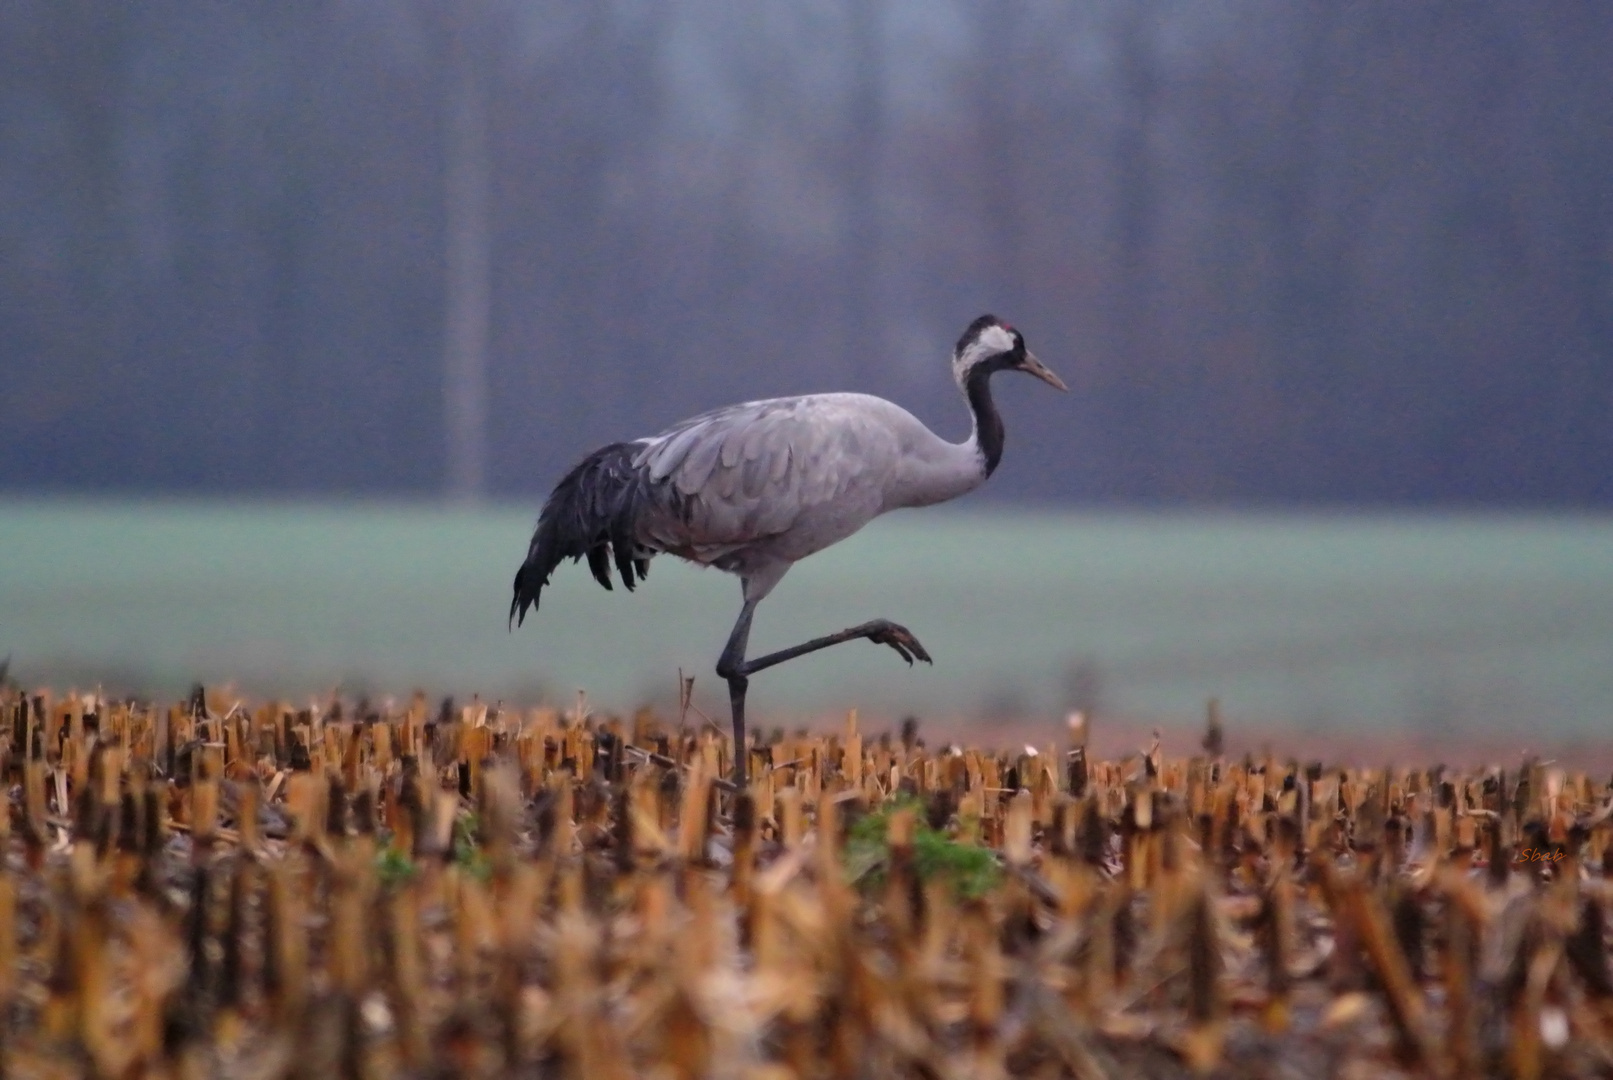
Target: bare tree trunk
{"x":1002,"y":30}
{"x":1136,"y":211}
{"x":863,"y":242}
{"x":468,"y":285}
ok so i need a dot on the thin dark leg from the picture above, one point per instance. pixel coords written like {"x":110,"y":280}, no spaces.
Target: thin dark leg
{"x":734,"y":668}
{"x":731,"y":666}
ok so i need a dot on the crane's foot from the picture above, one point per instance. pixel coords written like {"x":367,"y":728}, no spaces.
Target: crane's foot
{"x":898,"y":637}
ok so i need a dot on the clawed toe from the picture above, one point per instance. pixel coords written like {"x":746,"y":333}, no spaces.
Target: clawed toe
{"x":900,"y":638}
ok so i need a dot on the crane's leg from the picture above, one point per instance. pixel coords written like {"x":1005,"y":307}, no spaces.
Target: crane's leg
{"x":731,"y":667}
{"x":734,"y":668}
{"x":879,"y":631}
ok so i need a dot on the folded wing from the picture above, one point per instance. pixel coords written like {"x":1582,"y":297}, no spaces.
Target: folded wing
{"x":757,"y":470}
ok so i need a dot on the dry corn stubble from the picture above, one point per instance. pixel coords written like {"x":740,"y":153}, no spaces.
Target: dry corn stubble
{"x":227,"y":888}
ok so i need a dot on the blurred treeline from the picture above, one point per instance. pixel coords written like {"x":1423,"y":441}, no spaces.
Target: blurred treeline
{"x":1308,"y":250}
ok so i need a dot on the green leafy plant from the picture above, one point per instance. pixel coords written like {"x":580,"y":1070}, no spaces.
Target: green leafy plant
{"x":972,"y":871}
{"x":468,"y":853}
{"x":394,"y":867}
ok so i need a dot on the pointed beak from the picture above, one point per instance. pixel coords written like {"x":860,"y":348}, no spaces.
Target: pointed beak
{"x":1033,"y":366}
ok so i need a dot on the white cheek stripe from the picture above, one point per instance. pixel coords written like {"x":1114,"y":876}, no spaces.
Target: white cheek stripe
{"x":994,"y":339}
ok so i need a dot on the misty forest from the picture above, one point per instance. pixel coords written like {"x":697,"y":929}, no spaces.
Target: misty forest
{"x":1319,"y":251}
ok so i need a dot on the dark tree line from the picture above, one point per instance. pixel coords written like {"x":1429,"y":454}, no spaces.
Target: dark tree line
{"x":1311,"y":250}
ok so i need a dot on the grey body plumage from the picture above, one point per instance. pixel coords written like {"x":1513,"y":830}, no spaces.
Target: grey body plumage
{"x":754,"y":488}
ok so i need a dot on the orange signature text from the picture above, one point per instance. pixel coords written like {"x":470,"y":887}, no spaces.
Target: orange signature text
{"x":1530,"y":854}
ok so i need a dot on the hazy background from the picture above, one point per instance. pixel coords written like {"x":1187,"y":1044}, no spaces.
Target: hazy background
{"x":1290,"y":252}
{"x":1301,"y":257}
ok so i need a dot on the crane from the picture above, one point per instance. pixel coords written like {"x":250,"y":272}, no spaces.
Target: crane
{"x":754,"y":488}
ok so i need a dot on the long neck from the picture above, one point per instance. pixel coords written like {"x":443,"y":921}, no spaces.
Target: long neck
{"x":988,"y":433}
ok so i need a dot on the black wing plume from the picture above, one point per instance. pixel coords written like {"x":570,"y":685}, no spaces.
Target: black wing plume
{"x":591,"y":514}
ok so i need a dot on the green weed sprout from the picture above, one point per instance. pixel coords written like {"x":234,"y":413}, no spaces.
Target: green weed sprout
{"x":394,"y":867}
{"x":468,"y":853}
{"x":971,"y":871}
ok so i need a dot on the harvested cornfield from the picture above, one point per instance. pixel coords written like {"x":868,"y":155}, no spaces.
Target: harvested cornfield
{"x":223,"y":888}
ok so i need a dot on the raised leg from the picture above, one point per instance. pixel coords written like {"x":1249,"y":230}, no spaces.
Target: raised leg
{"x":736,"y":670}
{"x":879,"y":631}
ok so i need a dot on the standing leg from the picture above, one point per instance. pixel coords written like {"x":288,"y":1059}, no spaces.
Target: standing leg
{"x":731,"y":667}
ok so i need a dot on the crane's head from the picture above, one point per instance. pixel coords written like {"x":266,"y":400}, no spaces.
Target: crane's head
{"x":990,"y":345}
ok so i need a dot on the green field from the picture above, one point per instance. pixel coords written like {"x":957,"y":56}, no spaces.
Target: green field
{"x":1434,"y":624}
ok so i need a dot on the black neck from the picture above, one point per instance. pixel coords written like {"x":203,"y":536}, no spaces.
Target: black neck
{"x":988,"y":425}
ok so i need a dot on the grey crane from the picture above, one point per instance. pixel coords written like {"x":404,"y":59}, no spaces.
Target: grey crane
{"x":755,"y":488}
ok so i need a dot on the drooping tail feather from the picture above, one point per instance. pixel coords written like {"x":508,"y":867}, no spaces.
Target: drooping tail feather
{"x":591,"y":513}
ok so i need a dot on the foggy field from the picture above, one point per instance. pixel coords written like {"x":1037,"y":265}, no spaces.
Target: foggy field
{"x":1290,"y":255}
{"x":1269,"y":721}
{"x":1432,"y":625}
